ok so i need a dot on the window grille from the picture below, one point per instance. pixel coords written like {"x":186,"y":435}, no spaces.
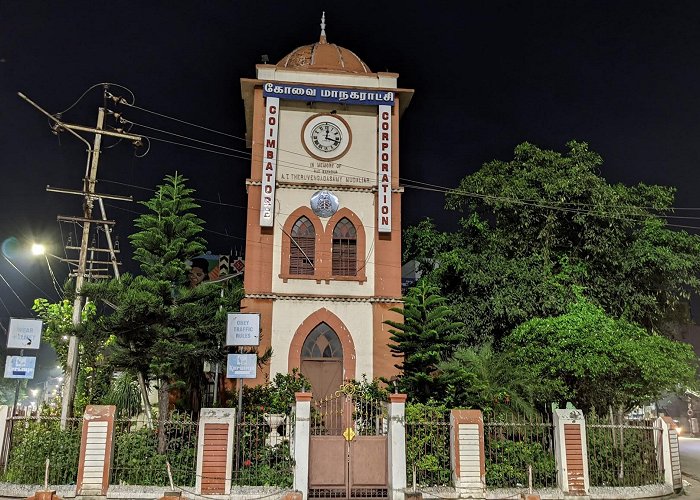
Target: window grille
{"x":302,"y":247}
{"x":344,"y":249}
{"x":322,"y":342}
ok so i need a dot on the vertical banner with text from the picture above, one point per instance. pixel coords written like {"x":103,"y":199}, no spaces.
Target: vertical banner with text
{"x":269,"y":161}
{"x":384,"y":170}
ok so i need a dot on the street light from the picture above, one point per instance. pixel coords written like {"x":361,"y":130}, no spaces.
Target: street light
{"x":38,"y":249}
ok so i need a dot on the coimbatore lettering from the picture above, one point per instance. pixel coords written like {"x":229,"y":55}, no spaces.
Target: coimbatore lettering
{"x":269,"y":162}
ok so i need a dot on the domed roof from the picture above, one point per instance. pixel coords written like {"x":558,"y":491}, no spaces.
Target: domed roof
{"x":323,"y":56}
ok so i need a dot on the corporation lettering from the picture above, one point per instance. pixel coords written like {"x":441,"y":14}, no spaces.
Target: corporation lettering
{"x":384,"y":170}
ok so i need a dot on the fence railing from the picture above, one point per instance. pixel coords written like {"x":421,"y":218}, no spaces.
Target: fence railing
{"x":32,"y":440}
{"x":427,"y":447}
{"x":140,"y":454}
{"x":622,"y":452}
{"x":514,"y":445}
{"x":262,"y":450}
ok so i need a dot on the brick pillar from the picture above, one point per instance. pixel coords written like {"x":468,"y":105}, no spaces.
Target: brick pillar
{"x":467,"y":456}
{"x":302,"y":435}
{"x":96,"y":448}
{"x":396,"y":440}
{"x":668,"y":452}
{"x":215,"y":451}
{"x":571,"y":451}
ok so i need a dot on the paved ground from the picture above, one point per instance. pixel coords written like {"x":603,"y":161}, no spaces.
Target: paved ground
{"x":690,"y":464}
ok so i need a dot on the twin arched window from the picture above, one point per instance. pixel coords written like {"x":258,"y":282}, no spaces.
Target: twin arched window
{"x":302,"y":248}
{"x":344,"y":248}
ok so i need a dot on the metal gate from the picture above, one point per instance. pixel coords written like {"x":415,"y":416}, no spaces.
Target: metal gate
{"x":348,"y":448}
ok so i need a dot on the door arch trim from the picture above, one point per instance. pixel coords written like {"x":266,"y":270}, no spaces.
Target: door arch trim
{"x":323,"y":315}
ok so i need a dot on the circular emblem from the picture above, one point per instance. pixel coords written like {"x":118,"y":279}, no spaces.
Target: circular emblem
{"x":324,"y":203}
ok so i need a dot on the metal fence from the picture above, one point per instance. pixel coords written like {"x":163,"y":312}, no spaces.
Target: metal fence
{"x":519,"y":451}
{"x":427,"y":446}
{"x":141,"y":454}
{"x":32,"y":440}
{"x":263,"y":454}
{"x":622,"y":452}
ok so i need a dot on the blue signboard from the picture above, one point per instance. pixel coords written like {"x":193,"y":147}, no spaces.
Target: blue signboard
{"x":296,"y":92}
{"x":20,"y":367}
{"x":241,"y":365}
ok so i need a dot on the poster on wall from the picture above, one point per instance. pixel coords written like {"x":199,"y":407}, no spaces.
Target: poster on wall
{"x":210,"y":267}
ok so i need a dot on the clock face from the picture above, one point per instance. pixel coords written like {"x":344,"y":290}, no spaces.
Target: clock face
{"x":326,"y":137}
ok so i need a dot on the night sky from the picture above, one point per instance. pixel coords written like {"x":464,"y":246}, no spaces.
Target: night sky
{"x":622,"y":76}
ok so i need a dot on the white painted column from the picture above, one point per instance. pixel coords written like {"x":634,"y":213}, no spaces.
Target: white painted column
{"x":467,"y":455}
{"x":4,"y":414}
{"x":668,"y":452}
{"x":571,"y":451}
{"x":215,"y":451}
{"x":302,"y":435}
{"x":96,"y":450}
{"x":396,"y":440}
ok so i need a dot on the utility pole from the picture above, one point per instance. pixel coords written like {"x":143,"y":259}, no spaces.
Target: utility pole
{"x":88,"y":192}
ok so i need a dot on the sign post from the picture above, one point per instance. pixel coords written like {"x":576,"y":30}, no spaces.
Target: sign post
{"x":242,"y":329}
{"x":22,"y":334}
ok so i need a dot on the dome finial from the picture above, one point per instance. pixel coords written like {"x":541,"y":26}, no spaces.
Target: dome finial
{"x":323,"y":28}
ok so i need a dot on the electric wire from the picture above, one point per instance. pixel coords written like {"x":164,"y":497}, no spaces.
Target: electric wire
{"x":26,"y":277}
{"x":13,"y":291}
{"x":309,"y":157}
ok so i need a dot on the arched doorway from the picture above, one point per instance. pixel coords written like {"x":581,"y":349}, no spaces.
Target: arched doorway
{"x":322,"y":361}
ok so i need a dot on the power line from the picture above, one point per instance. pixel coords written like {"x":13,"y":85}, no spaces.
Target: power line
{"x":25,"y":276}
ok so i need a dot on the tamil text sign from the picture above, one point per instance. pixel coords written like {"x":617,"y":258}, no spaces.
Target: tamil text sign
{"x":327,"y":94}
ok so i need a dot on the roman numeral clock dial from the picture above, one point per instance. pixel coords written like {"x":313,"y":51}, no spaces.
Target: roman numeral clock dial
{"x":326,"y":137}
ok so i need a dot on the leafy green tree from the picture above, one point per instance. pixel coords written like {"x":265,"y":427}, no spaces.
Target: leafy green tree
{"x":162,"y":328}
{"x":425,"y":338}
{"x":587,"y":357}
{"x":93,"y":372}
{"x":492,"y":381}
{"x":544,"y":224}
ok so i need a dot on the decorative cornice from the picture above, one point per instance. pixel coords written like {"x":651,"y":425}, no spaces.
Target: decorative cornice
{"x":293,"y":185}
{"x":323,"y":298}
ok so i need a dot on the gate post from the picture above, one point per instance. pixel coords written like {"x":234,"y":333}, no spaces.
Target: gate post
{"x":668,"y":453}
{"x":396,"y":441}
{"x":571,"y":451}
{"x":96,"y":448}
{"x":215,"y":451}
{"x":302,"y":433}
{"x":467,"y":456}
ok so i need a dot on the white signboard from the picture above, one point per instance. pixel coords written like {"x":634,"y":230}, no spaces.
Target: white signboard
{"x":243,"y":329}
{"x":24,"y":333}
{"x":20,"y":367}
{"x":269,"y":161}
{"x":241,"y":365}
{"x":384,"y":170}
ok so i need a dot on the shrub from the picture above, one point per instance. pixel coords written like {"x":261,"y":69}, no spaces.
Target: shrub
{"x":33,"y":441}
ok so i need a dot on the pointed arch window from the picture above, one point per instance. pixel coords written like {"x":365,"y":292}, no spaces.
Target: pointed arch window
{"x":302,"y":247}
{"x":322,"y":342}
{"x":344,"y":248}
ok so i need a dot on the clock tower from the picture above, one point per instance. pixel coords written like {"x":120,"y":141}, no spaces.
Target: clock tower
{"x":323,"y":240}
